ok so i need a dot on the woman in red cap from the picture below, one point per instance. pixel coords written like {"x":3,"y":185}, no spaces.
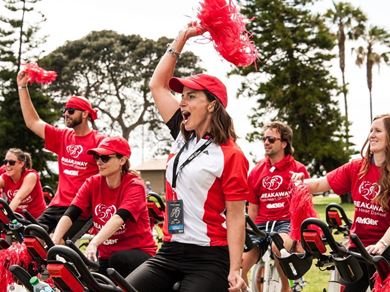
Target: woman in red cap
{"x":21,"y":184}
{"x":206,"y":185}
{"x":117,"y":201}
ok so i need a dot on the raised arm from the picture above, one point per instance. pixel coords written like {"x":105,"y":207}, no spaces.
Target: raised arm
{"x":27,"y":186}
{"x":165,"y":101}
{"x":30,"y":115}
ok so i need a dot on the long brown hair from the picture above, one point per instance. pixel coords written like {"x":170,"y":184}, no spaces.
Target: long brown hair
{"x":384,"y":181}
{"x":221,"y":125}
{"x":126,"y":167}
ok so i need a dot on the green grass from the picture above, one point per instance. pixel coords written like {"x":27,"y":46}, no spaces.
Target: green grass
{"x":317,"y":280}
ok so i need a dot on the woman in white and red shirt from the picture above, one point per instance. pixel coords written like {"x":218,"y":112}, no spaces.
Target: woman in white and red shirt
{"x":117,"y":201}
{"x":206,"y":185}
{"x":368,"y":180}
{"x":21,"y":184}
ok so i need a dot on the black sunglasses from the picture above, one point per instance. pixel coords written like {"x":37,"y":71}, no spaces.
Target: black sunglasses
{"x":70,"y":110}
{"x":103,"y":158}
{"x":9,"y":161}
{"x":270,"y":139}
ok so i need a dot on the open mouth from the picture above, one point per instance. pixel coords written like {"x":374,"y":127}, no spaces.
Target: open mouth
{"x":186,"y":115}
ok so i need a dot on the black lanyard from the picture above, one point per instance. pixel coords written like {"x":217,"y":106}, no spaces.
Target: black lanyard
{"x":189,"y":159}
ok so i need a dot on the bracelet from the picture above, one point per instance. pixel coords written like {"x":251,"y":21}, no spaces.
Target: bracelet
{"x":172,"y":51}
{"x":384,"y":243}
{"x":22,"y":87}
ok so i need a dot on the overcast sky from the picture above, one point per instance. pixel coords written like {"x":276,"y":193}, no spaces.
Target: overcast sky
{"x":73,"y":19}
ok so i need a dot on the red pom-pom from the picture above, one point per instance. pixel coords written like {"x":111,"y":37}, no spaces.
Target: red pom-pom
{"x":381,"y":285}
{"x":16,"y":254}
{"x":227,"y":29}
{"x":37,"y":74}
{"x":301,"y":208}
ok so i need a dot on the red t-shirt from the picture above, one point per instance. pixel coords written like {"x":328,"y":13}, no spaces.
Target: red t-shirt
{"x":269,"y":188}
{"x":34,"y":202}
{"x":74,"y":164}
{"x":97,"y":198}
{"x":370,"y":220}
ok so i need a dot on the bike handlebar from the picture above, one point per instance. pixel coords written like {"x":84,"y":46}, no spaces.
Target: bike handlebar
{"x":120,"y":281}
{"x":9,"y":213}
{"x":254,"y":228}
{"x":336,"y":247}
{"x":39,"y":231}
{"x":344,"y":217}
{"x":381,"y":264}
{"x":22,"y":275}
{"x":89,"y":263}
{"x":85,"y":275}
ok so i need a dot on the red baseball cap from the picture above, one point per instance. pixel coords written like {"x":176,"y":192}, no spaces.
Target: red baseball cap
{"x":112,"y":145}
{"x":201,"y":82}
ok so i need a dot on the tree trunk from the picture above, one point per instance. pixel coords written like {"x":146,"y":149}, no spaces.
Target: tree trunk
{"x":346,"y":111}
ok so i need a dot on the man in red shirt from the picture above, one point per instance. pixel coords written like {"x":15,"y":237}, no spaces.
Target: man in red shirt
{"x":70,"y":145}
{"x":269,"y":186}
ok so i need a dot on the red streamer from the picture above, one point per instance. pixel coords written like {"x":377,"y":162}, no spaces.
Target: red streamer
{"x":227,"y":30}
{"x":381,"y":286}
{"x":16,"y":254}
{"x":301,"y":208}
{"x":37,"y":74}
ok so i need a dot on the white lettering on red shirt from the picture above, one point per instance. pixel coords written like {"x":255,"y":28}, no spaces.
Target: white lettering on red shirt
{"x":269,"y":185}
{"x":74,"y":164}
{"x":372,"y":220}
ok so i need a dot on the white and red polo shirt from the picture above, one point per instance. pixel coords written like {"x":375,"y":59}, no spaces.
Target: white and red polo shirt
{"x":96,"y":198}
{"x":218,"y":174}
{"x":370,"y":220}
{"x":74,"y":164}
{"x":269,"y":186}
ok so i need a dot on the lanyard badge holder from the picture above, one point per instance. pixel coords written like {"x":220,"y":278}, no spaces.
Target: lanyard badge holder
{"x":175,"y":207}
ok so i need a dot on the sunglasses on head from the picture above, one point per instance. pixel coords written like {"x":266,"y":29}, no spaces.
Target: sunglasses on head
{"x":103,"y":158}
{"x":270,"y":139}
{"x":70,"y":110}
{"x":9,"y":161}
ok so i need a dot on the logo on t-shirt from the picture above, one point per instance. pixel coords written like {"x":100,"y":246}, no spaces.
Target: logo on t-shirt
{"x":74,"y":150}
{"x":272,"y":182}
{"x":275,"y":205}
{"x":367,"y":221}
{"x":104,"y":213}
{"x":369,"y":190}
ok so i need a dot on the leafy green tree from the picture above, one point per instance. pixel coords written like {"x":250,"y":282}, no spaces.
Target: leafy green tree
{"x":292,"y":82}
{"x":350,"y":23}
{"x":20,"y":42}
{"x":113,"y":71}
{"x":374,"y":52}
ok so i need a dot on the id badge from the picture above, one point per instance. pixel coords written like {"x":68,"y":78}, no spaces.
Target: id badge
{"x":175,"y":217}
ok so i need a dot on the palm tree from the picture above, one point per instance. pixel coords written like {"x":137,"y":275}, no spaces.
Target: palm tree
{"x":350,"y":23}
{"x":375,"y":39}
